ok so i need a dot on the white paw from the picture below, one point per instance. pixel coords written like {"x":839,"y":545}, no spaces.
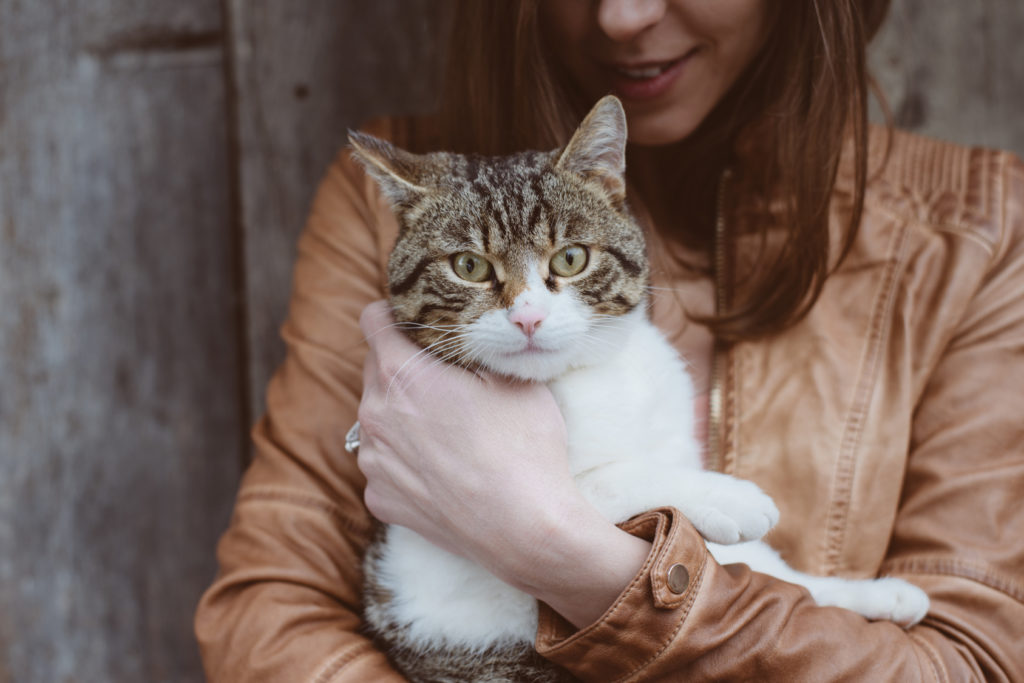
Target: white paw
{"x":737,"y":513}
{"x":889,"y":598}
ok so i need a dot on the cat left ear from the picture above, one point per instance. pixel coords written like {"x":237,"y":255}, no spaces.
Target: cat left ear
{"x":395,"y":170}
{"x":597,"y":149}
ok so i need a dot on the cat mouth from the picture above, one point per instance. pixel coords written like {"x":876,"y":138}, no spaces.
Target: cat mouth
{"x":531,"y":349}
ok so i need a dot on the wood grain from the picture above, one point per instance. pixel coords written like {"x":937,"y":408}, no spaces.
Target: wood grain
{"x":955,"y":70}
{"x":303,"y":75}
{"x":119,"y":403}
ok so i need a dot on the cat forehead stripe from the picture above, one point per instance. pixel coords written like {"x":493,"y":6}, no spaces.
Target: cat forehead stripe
{"x":512,"y":197}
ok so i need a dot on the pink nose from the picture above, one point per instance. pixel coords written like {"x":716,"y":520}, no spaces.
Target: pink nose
{"x":527,"y":318}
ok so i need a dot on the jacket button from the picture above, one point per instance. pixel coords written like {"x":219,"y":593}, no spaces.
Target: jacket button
{"x":678,"y":579}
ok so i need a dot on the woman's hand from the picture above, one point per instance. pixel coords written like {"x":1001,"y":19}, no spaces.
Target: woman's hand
{"x":460,"y":458}
{"x":477,"y":465}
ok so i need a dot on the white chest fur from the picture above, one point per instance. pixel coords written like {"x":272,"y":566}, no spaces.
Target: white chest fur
{"x":627,"y":418}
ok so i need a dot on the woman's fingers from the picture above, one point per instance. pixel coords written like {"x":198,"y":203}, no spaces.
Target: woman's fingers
{"x":383,"y":335}
{"x":375,"y":317}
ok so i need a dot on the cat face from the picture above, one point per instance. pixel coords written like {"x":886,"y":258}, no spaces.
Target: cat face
{"x":526,"y":265}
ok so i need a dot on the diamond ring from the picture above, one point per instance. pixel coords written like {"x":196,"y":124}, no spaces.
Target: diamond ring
{"x":352,"y":439}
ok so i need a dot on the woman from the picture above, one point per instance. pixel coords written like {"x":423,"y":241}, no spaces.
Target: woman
{"x":849,"y":302}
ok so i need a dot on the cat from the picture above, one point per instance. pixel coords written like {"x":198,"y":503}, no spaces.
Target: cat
{"x":531,"y":266}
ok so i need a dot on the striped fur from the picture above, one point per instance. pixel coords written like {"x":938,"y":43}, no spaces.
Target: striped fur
{"x":518,"y":212}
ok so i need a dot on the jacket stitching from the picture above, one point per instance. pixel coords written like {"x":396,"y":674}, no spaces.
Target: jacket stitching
{"x":926,"y":201}
{"x":960,"y":568}
{"x":938,"y":667}
{"x":307,"y":502}
{"x":942,"y":184}
{"x":636,"y":524}
{"x":845,"y":468}
{"x":659,"y":573}
{"x":339,"y":661}
{"x":684,"y":609}
{"x":965,"y":230}
{"x":659,"y":584}
{"x":1002,"y":192}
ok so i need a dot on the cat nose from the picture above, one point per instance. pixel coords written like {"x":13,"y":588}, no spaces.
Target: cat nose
{"x":527,"y":318}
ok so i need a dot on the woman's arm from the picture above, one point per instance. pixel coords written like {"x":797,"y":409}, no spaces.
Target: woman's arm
{"x":285,"y":605}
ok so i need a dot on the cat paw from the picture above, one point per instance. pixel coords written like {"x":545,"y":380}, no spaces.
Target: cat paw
{"x":740,"y":513}
{"x":888,"y":598}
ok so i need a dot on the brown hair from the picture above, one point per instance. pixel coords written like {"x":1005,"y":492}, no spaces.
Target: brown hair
{"x":798,"y":103}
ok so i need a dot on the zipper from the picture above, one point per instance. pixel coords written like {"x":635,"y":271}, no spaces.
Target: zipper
{"x":715,"y":399}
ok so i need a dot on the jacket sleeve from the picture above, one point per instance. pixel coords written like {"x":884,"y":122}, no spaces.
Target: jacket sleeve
{"x":285,"y":604}
{"x":959,"y":535}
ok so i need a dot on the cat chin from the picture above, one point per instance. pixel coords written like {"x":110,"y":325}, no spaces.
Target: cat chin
{"x":532,"y":366}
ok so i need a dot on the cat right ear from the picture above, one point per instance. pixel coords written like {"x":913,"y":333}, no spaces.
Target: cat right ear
{"x":597,"y":150}
{"x":395,"y":170}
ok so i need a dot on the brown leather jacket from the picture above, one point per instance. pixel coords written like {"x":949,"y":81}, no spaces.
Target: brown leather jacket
{"x":888,"y":426}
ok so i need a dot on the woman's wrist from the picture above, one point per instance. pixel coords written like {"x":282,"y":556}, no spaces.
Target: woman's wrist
{"x":581,"y":563}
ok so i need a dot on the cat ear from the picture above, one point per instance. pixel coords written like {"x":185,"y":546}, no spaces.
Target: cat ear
{"x":597,"y":149}
{"x":396,"y":171}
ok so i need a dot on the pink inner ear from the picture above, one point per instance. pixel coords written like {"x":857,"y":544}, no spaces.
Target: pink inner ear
{"x":527,"y":317}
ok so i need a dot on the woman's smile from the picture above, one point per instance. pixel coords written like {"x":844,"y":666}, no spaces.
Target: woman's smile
{"x":670,"y":61}
{"x":637,"y":81}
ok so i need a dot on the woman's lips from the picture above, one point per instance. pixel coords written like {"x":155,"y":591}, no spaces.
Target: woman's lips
{"x":645,"y":81}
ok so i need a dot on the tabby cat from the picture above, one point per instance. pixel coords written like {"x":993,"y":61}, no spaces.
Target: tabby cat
{"x":531,"y":266}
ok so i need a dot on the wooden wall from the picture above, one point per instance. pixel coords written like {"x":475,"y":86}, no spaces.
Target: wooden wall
{"x":156,"y":163}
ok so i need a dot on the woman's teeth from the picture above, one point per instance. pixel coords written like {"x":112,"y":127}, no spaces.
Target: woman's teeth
{"x":643,"y":73}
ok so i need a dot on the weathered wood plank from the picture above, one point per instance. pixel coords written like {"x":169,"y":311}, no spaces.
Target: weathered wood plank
{"x":119,"y":417}
{"x":305,"y":73}
{"x":954,"y":70}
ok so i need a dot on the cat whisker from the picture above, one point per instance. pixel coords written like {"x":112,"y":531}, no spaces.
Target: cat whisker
{"x":451,"y":352}
{"x":443,"y":350}
{"x":408,"y":324}
{"x":401,"y":369}
{"x":591,"y":342}
{"x":439,"y":345}
{"x":448,"y":367}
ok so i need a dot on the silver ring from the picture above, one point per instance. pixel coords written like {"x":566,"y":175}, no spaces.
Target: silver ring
{"x":352,"y":439}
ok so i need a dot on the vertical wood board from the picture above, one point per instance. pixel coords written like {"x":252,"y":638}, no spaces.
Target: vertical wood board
{"x":119,"y":416}
{"x":955,"y":70}
{"x":304,"y":73}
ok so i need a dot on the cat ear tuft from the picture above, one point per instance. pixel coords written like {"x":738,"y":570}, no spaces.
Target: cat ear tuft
{"x":395,"y":170}
{"x":597,"y":149}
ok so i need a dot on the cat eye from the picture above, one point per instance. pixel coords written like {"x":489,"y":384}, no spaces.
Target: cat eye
{"x":569,"y":261}
{"x":471,"y":267}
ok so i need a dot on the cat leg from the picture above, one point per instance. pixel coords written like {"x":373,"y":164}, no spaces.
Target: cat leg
{"x":722,"y":508}
{"x":443,"y":619}
{"x":886,"y":598}
{"x":431,"y":598}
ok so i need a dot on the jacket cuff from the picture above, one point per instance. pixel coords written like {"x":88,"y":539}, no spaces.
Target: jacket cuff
{"x":648,"y":614}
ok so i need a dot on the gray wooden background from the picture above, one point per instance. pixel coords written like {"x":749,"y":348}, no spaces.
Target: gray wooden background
{"x":157,"y":159}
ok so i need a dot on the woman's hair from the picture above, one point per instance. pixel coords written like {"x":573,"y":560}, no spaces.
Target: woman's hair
{"x":781,"y":128}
